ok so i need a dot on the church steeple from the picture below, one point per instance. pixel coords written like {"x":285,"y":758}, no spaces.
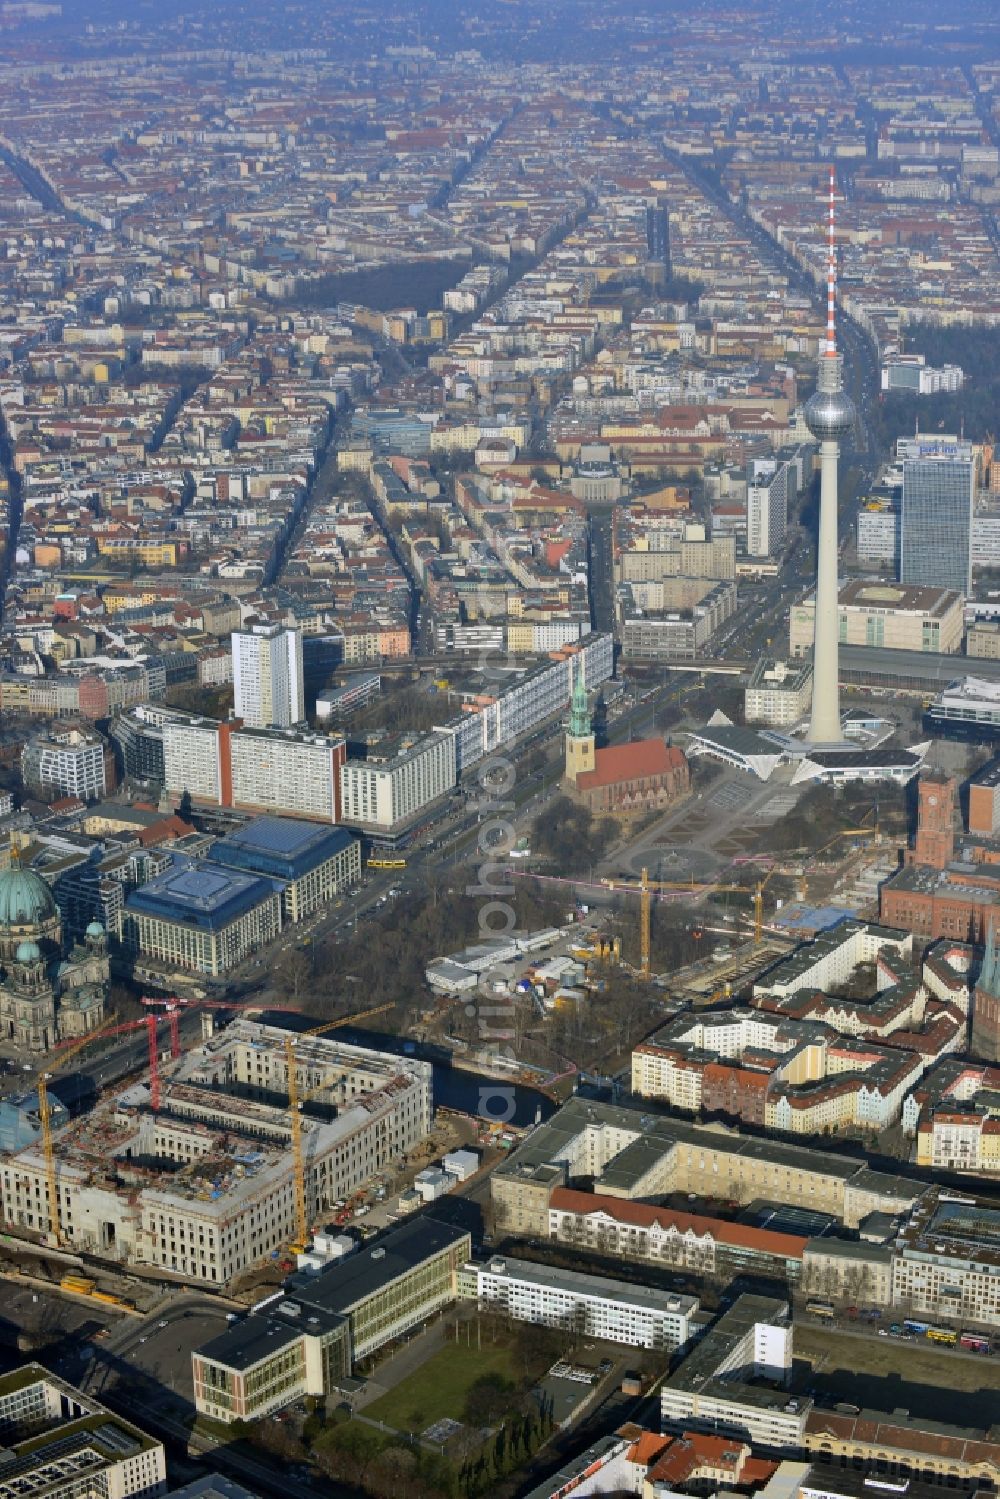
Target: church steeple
{"x":989,"y":973}
{"x":984,"y":1039}
{"x":579,"y":713}
{"x":580,"y":744}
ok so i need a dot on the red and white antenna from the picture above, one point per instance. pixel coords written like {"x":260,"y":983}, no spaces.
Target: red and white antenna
{"x":831,"y":272}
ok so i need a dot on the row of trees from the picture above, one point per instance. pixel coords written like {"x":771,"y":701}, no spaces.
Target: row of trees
{"x":525,"y":1426}
{"x":385,"y":1465}
{"x":408,"y":708}
{"x":568,"y":833}
{"x":387,"y":955}
{"x":507,"y":1420}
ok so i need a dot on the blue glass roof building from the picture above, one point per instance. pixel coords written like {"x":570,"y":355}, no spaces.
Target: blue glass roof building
{"x":204,"y":894}
{"x":280,"y":847}
{"x":203,"y":917}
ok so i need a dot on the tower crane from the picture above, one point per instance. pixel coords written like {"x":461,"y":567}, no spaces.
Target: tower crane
{"x":646,"y":887}
{"x":45,"y":1120}
{"x":332,"y":1025}
{"x":66,"y":1052}
{"x":295,"y":1103}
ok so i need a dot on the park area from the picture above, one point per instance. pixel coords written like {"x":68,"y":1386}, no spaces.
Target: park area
{"x":462,"y":1424}
{"x":442,"y":1387}
{"x":889,"y":1374}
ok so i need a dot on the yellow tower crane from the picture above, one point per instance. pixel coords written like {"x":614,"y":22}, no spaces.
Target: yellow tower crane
{"x":646,"y":887}
{"x":295,"y":1102}
{"x":301,"y":1223}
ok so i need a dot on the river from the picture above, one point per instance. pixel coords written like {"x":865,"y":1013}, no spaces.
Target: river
{"x":454,"y":1087}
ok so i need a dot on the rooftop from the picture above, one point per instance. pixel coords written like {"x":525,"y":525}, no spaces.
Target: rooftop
{"x":702,"y":1370}
{"x":987,"y":775}
{"x":629,"y":762}
{"x":544,"y":1155}
{"x":897,"y":597}
{"x":204,"y":895}
{"x":315,"y":1304}
{"x":280,"y":847}
{"x":622,"y":1291}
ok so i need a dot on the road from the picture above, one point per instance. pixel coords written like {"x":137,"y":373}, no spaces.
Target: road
{"x":158,"y":1346}
{"x":13,"y":478}
{"x":600,"y":525}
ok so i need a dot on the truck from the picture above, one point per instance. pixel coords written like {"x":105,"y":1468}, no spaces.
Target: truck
{"x":80,"y":1285}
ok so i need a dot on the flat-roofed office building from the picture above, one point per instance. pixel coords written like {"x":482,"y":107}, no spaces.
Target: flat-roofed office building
{"x":66,"y":1445}
{"x":313,"y":864}
{"x":202,"y":917}
{"x":322,"y":1325}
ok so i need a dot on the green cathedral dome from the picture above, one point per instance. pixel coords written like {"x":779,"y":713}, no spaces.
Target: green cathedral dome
{"x":25,"y":899}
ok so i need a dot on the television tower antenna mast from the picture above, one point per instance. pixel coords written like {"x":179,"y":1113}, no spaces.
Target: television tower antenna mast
{"x":830,"y":417}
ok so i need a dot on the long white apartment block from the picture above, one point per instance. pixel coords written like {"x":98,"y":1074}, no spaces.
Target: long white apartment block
{"x":614,"y":1310}
{"x":523,"y":699}
{"x":386,"y":792}
{"x":288,"y":771}
{"x":194,"y":758}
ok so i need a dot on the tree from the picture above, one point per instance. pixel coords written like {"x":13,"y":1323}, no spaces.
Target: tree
{"x":392,"y":1472}
{"x":487,"y":1399}
{"x":349,"y":1451}
{"x":500,"y":1453}
{"x":291,"y":971}
{"x":184,"y":806}
{"x":567,"y":832}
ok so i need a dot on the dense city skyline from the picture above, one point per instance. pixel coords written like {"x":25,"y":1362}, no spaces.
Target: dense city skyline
{"x":499,"y":749}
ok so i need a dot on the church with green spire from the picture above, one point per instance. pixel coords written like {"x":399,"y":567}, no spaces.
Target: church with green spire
{"x":580,"y":743}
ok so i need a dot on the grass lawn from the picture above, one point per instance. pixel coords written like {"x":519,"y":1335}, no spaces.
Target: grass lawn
{"x":439,"y":1386}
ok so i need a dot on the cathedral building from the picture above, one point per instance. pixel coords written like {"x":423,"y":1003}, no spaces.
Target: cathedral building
{"x":46,"y":994}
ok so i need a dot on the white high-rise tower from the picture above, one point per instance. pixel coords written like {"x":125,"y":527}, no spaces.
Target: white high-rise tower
{"x":830,"y":417}
{"x":267,"y":676}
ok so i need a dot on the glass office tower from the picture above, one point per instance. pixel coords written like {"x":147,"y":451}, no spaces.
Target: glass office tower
{"x":936,"y":530}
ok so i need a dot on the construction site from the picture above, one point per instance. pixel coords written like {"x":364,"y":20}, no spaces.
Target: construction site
{"x":222,"y":1157}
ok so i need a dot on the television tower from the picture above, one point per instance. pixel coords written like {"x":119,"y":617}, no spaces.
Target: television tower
{"x":829,"y":416}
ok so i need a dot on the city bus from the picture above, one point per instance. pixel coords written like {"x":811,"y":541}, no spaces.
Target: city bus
{"x":975,"y":1342}
{"x":819,"y":1309}
{"x":942,"y":1335}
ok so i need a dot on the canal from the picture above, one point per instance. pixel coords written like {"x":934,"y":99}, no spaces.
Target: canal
{"x":454,"y":1087}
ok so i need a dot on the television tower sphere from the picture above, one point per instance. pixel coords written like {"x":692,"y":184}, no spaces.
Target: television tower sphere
{"x":830,"y":415}
{"x":829,"y":412}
